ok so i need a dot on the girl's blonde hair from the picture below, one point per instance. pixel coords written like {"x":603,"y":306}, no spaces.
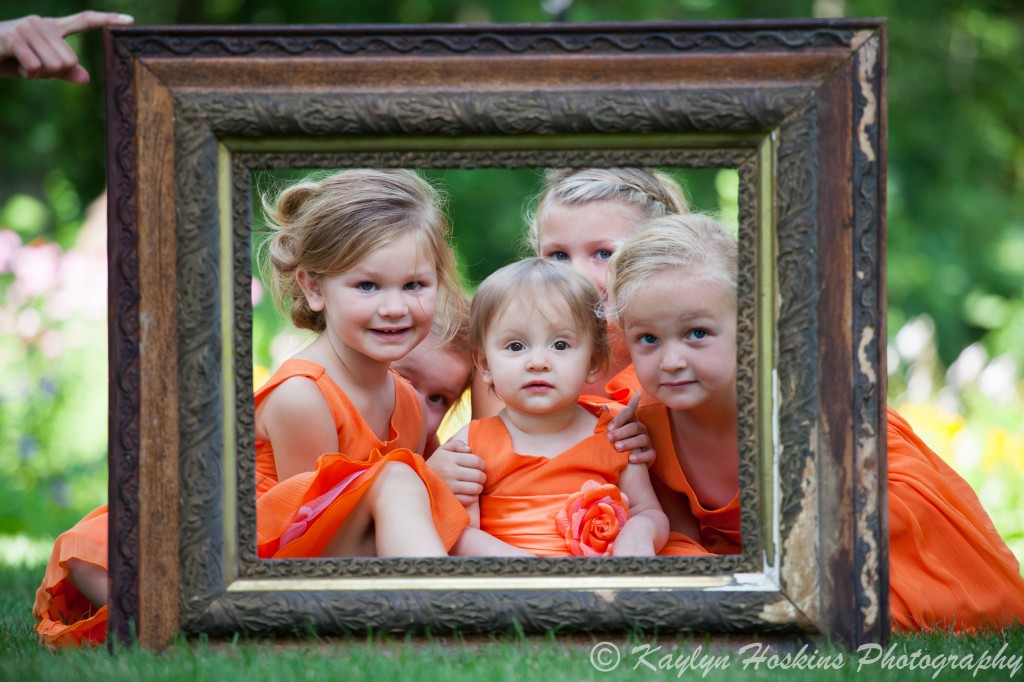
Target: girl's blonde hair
{"x":693,"y":241}
{"x":531,"y":281}
{"x":328,"y":225}
{"x":651,"y":192}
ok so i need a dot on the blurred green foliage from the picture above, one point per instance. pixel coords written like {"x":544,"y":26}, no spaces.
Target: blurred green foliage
{"x":955,"y":198}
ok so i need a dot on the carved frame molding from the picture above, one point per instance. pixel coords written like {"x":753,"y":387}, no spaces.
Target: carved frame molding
{"x":193,"y":111}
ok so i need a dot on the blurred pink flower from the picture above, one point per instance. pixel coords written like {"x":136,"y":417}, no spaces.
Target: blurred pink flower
{"x":35,"y":268}
{"x":82,"y":287}
{"x":9,"y":244}
{"x":257,"y":292}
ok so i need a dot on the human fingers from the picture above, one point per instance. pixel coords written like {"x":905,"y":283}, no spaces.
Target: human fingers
{"x":470,"y":461}
{"x":642,"y":455}
{"x":83,"y":21}
{"x":455,"y":445}
{"x":467,"y":488}
{"x":626,"y":414}
{"x":41,"y":51}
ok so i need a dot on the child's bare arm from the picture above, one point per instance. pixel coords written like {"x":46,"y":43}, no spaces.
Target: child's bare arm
{"x":459,"y":468}
{"x":296,"y":419}
{"x":647,"y":529}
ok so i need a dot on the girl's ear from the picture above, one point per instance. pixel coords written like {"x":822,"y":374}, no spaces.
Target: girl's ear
{"x":480,"y":361}
{"x":595,"y":371}
{"x":311,"y":289}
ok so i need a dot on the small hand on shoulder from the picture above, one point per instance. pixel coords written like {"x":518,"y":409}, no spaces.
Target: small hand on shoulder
{"x":626,"y":432}
{"x":460,"y":469}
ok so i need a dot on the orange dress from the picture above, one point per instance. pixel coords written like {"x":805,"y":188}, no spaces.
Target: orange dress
{"x":65,"y":617}
{"x":297,"y":517}
{"x":948,"y":567}
{"x":620,"y":388}
{"x":524,"y":493}
{"x":719,"y":527}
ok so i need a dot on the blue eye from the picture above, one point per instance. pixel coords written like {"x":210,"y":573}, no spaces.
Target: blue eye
{"x":698,"y":334}
{"x":558,"y":255}
{"x":366,"y":286}
{"x":413,"y":286}
{"x":647,"y":339}
{"x":603,"y":254}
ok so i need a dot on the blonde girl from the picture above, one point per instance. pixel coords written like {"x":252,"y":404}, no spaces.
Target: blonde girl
{"x":672,"y":287}
{"x":536,"y":342}
{"x":360,"y":258}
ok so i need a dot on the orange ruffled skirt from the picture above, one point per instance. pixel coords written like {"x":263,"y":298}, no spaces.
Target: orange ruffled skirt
{"x":949,"y":568}
{"x":64,"y":617}
{"x":299,"y":516}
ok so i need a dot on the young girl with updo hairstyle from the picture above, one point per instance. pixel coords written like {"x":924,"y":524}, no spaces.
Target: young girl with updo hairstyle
{"x":361,"y":258}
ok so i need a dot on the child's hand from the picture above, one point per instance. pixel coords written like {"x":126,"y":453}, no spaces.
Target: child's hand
{"x":34,"y":47}
{"x":627,"y":433}
{"x":460,"y":469}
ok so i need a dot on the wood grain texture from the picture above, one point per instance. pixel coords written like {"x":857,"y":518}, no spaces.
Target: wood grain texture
{"x":712,"y":95}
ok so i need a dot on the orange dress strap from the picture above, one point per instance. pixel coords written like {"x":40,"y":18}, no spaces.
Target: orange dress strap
{"x":299,"y":516}
{"x":948,"y":567}
{"x":719,"y":527}
{"x":65,"y":617}
{"x":524,"y":493}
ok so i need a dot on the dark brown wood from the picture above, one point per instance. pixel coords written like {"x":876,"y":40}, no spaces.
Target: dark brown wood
{"x":797,"y":107}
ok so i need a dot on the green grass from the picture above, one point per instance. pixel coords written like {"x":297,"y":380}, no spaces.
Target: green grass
{"x":491,"y":659}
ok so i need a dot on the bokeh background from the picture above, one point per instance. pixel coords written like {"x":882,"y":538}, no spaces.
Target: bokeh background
{"x":955,"y":223}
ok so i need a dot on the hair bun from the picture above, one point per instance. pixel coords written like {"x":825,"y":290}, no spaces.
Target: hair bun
{"x":291,"y":202}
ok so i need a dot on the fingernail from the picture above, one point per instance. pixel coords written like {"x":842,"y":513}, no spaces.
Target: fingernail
{"x":126,"y":18}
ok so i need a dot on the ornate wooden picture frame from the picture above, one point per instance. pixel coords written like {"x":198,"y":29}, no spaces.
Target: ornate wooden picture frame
{"x":797,"y":107}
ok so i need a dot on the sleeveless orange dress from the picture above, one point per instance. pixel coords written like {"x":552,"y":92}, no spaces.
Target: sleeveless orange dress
{"x":719,"y":527}
{"x":948,"y":567}
{"x":65,"y":617}
{"x":297,"y":517}
{"x":524,"y":493}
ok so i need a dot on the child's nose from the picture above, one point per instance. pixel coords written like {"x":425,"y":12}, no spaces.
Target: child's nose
{"x":539,"y":359}
{"x":393,"y":305}
{"x":673,"y":359}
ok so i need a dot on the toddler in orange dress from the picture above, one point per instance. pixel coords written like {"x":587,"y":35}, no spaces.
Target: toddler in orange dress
{"x":555,"y":484}
{"x":672,"y":287}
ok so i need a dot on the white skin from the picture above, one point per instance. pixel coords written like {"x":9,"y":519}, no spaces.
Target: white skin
{"x":585,"y":236}
{"x":34,"y":47}
{"x":681,"y":331}
{"x":440,"y":375}
{"x":537,"y":361}
{"x":376,"y":312}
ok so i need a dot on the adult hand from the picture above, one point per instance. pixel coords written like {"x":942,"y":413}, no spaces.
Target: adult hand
{"x":461,"y":470}
{"x":626,"y":432}
{"x":34,"y":47}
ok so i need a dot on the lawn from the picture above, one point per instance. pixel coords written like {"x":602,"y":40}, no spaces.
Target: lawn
{"x":512,"y":658}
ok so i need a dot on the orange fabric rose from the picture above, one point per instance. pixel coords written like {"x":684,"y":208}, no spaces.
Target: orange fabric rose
{"x":592,"y":518}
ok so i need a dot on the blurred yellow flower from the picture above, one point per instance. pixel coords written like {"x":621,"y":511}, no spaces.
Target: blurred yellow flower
{"x":935,"y":426}
{"x":260,"y":374}
{"x":1003,"y":448}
